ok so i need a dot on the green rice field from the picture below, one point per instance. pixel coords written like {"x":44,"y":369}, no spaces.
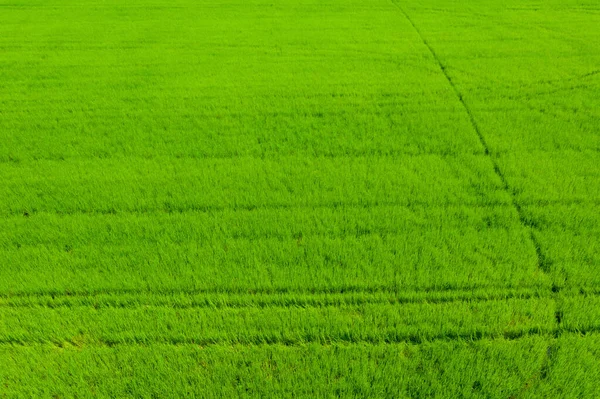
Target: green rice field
{"x":300,"y":198}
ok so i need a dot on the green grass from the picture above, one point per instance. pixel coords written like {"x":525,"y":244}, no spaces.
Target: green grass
{"x":291,"y":198}
{"x":498,"y":369}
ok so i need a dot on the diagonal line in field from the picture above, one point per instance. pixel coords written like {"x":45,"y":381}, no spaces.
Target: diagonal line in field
{"x":542,"y":262}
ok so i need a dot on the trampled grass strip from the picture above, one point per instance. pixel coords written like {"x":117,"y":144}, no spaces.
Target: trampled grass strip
{"x":187,"y":300}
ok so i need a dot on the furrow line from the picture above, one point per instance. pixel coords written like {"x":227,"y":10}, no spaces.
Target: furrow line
{"x":274,"y":340}
{"x":254,"y":292}
{"x":543,"y":262}
{"x":9,"y":160}
{"x":226,"y":302}
{"x":283,"y":302}
{"x":274,"y":207}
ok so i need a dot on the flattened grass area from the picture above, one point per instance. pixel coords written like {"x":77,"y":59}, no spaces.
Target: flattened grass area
{"x":292,"y":198}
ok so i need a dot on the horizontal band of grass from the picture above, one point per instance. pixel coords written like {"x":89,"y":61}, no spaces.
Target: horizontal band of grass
{"x":535,"y":366}
{"x":122,"y":228}
{"x":290,"y":325}
{"x":318,"y":263}
{"x":379,"y":132}
{"x":182,"y":184}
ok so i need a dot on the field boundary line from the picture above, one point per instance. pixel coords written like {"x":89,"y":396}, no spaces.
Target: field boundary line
{"x":542,"y":262}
